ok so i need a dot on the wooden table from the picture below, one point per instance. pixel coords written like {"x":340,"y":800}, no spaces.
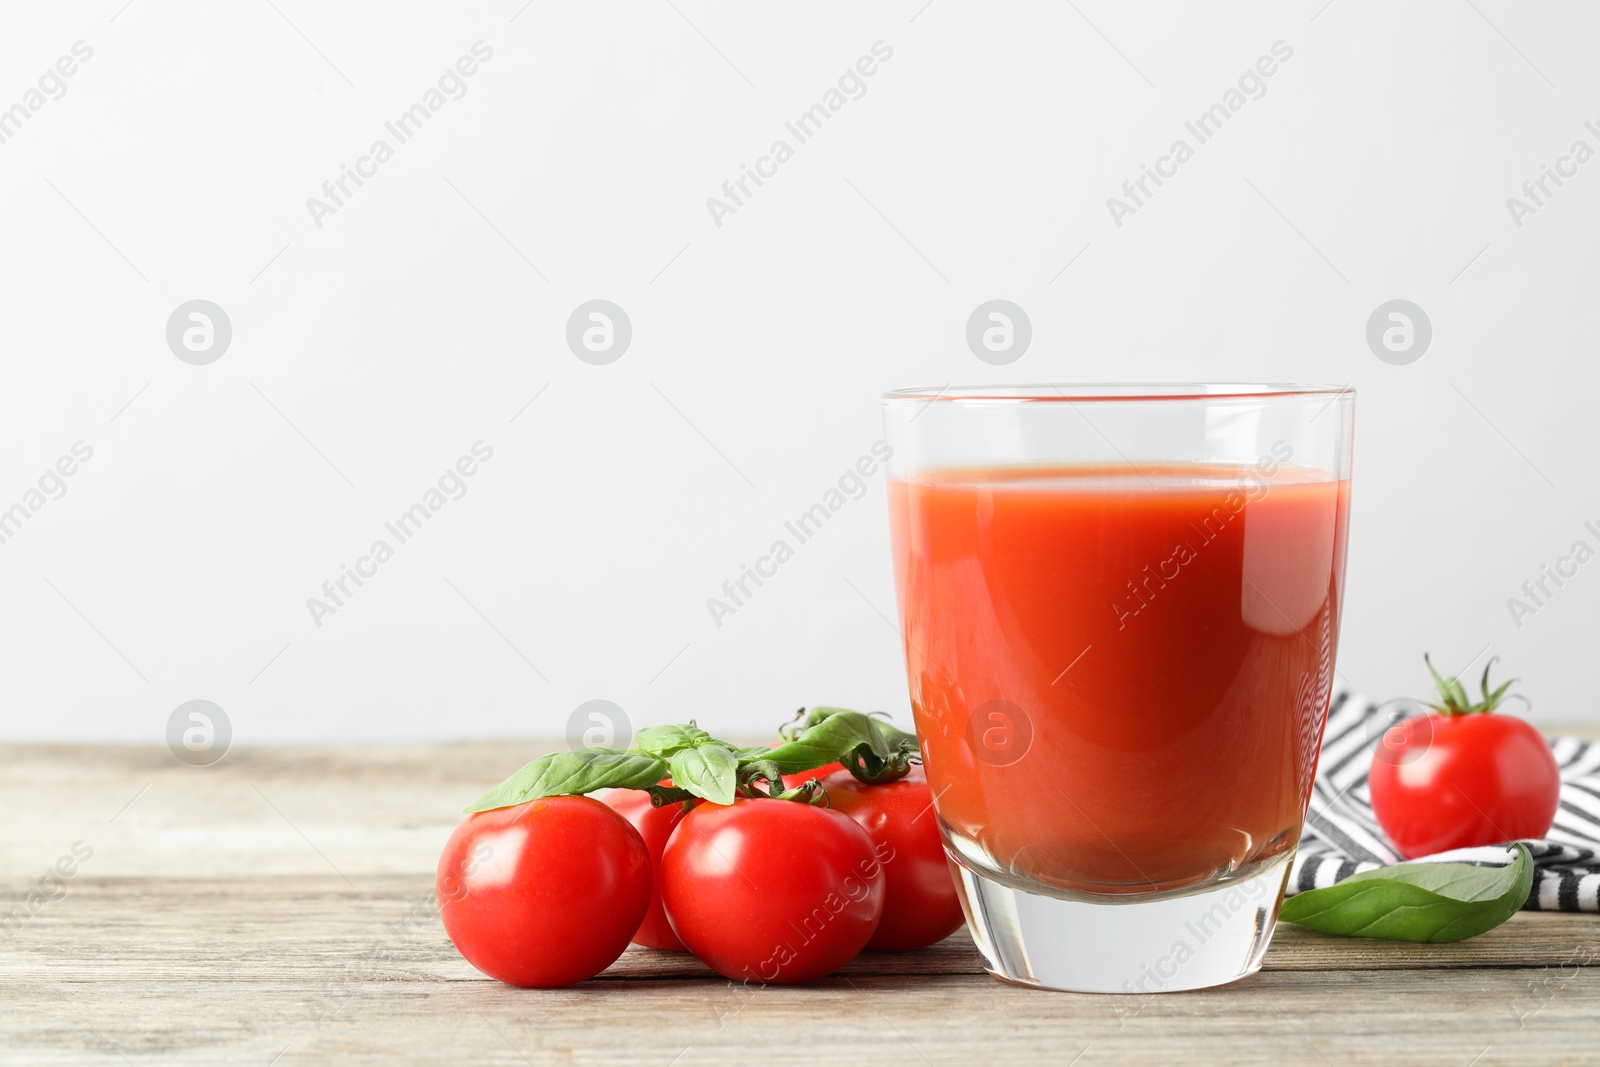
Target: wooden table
{"x":273,"y":909}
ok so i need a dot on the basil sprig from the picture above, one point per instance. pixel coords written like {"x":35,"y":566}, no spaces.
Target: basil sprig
{"x":873,"y":749}
{"x":1425,"y":902}
{"x":702,"y":767}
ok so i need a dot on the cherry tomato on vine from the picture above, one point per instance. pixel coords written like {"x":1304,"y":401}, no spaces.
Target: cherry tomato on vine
{"x":655,"y":826}
{"x":920,"y":903}
{"x":772,"y":891}
{"x":546,"y":893}
{"x":1463,"y":776}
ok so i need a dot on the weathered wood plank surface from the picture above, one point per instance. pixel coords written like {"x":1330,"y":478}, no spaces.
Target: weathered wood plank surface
{"x":275,"y":905}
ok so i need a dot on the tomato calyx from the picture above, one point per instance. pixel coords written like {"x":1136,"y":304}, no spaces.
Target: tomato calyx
{"x":1453,"y":698}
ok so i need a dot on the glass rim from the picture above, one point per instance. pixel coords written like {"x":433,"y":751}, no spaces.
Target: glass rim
{"x":1125,"y":392}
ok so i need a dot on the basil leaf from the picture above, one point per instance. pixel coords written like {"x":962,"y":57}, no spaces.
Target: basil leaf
{"x":833,"y":733}
{"x":1430,"y":902}
{"x":665,"y":740}
{"x":568,"y":773}
{"x":710,"y":771}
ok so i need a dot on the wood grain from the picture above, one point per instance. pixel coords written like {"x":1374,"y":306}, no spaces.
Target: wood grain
{"x":276,"y":905}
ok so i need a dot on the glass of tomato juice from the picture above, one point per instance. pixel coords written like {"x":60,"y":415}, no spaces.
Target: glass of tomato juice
{"x":1120,"y":607}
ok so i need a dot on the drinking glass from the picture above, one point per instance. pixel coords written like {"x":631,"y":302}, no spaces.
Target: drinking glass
{"x":1120,"y":608}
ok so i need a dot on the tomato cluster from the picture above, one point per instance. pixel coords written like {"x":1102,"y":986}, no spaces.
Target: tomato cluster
{"x":763,"y":890}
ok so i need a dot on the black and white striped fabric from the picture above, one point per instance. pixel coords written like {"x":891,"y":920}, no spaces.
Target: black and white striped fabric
{"x":1342,"y":836}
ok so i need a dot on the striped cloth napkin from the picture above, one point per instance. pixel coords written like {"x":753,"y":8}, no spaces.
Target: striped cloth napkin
{"x":1342,"y":836}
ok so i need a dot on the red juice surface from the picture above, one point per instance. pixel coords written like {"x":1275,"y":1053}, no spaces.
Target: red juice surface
{"x":1120,"y":678}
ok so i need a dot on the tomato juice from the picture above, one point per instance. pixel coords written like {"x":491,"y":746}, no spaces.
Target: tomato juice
{"x":1120,"y":674}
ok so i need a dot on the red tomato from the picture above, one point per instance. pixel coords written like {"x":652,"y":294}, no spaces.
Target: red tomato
{"x":1453,"y":781}
{"x":655,"y":825}
{"x":772,"y":891}
{"x":801,"y":777}
{"x":920,"y":904}
{"x":546,"y":893}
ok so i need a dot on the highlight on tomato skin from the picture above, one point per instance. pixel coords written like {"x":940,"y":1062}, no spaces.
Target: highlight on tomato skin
{"x":546,"y":893}
{"x":772,"y":891}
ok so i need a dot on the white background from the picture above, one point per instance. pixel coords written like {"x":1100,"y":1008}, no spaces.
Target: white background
{"x":369,"y":353}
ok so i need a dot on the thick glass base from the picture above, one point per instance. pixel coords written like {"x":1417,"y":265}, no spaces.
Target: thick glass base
{"x":1163,"y":944}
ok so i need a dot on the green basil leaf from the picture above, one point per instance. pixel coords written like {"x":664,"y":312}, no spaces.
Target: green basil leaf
{"x":665,"y":740}
{"x":1429,"y":902}
{"x":569,"y":773}
{"x":833,"y":733}
{"x":710,"y":771}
